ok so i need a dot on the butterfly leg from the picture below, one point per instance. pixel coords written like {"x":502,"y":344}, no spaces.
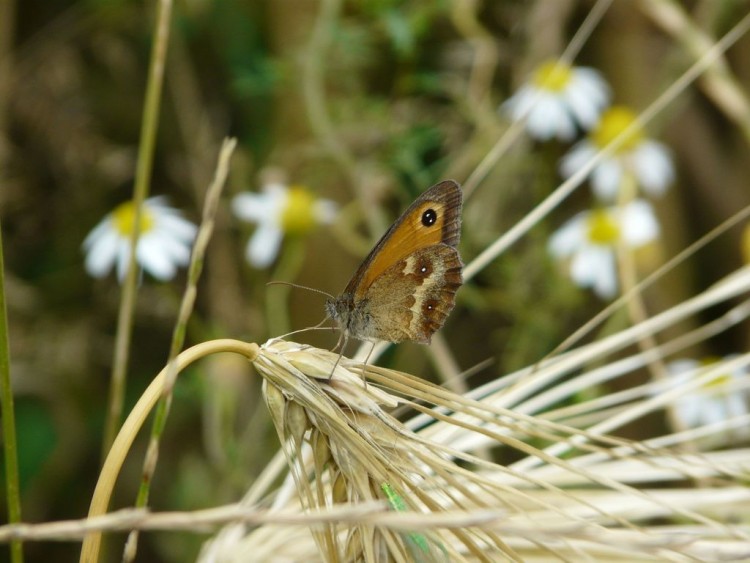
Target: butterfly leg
{"x":342,"y":338}
{"x":345,"y":337}
{"x":367,"y":361}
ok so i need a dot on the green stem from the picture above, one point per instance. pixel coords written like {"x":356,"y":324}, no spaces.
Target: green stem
{"x":149,"y":128}
{"x":9,"y":420}
{"x":10,"y":448}
{"x":277,"y":297}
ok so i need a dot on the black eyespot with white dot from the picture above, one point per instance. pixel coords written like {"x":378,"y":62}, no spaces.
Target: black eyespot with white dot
{"x":424,"y":267}
{"x":428,"y":306}
{"x":429,"y":217}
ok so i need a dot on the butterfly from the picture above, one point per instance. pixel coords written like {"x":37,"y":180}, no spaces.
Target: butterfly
{"x":406,"y":287}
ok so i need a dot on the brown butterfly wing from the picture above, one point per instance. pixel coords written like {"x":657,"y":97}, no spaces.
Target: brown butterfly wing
{"x":414,"y":296}
{"x":411,"y":232}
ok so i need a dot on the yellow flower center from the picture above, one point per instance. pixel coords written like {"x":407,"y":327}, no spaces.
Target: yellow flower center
{"x":553,"y":76}
{"x":718,"y":380}
{"x":123,"y":218}
{"x":603,"y":229}
{"x":612,"y":123}
{"x":298,"y":216}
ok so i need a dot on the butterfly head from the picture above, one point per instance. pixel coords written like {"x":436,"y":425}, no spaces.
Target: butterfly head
{"x":334,"y":308}
{"x":352,"y":318}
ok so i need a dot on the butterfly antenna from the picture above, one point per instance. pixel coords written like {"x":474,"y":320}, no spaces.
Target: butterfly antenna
{"x":318,"y":326}
{"x":290,"y":284}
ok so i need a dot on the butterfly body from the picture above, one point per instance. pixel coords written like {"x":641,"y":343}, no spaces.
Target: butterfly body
{"x":405,"y":288}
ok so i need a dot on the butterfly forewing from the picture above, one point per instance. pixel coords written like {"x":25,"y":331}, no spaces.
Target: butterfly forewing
{"x":433,"y":218}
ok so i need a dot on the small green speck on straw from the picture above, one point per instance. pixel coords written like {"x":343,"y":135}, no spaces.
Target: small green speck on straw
{"x":418,"y":544}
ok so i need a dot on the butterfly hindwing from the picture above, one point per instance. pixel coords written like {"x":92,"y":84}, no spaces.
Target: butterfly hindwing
{"x":414,"y":296}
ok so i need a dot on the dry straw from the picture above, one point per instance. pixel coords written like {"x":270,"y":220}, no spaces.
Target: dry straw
{"x":573,"y":491}
{"x":360,"y":484}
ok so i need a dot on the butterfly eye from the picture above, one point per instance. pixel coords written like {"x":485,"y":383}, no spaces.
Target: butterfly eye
{"x":429,"y":217}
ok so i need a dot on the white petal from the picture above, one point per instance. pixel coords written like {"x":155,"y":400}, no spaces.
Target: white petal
{"x":261,"y":208}
{"x":537,"y":121}
{"x":653,"y":167}
{"x":518,"y":105}
{"x":570,"y":237}
{"x":102,"y":252}
{"x":735,"y":406}
{"x":157,"y":202}
{"x":594,"y":267}
{"x":564,"y":124}
{"x":606,"y":283}
{"x":689,"y":410}
{"x":264,"y":245}
{"x":712,"y":411}
{"x":177,"y":227}
{"x":177,"y":250}
{"x":550,"y":118}
{"x":590,"y":84}
{"x":325,"y":211}
{"x":681,"y":373}
{"x":638,"y":223}
{"x":123,"y":257}
{"x":582,"y":267}
{"x":104,"y":226}
{"x":174,"y":249}
{"x":606,"y":179}
{"x":585,"y":109}
{"x":156,"y":261}
{"x":251,"y":207}
{"x":577,"y":158}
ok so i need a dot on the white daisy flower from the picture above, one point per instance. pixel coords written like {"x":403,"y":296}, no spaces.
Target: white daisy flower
{"x":715,"y":401}
{"x":163,"y":244}
{"x":648,"y":161}
{"x":557,"y":98}
{"x":278,"y":210}
{"x":590,"y":239}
